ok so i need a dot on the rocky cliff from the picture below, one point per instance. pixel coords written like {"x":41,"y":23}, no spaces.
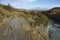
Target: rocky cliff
{"x":21,"y":24}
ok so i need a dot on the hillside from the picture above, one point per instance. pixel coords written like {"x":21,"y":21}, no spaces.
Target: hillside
{"x":53,"y":14}
{"x":21,"y":24}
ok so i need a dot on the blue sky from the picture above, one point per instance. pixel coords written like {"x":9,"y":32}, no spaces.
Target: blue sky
{"x":28,"y":4}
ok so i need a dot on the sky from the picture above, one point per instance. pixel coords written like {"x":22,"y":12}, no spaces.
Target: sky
{"x":28,"y":4}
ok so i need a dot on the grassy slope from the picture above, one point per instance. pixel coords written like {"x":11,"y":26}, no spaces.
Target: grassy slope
{"x":33,"y":18}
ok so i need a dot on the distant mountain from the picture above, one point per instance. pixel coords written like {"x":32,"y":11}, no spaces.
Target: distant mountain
{"x":40,"y":8}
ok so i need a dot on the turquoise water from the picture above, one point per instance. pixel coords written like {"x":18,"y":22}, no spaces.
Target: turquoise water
{"x":54,"y":31}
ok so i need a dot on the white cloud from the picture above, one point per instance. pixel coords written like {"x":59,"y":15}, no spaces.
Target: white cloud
{"x":28,"y":0}
{"x":21,"y":0}
{"x":22,"y":3}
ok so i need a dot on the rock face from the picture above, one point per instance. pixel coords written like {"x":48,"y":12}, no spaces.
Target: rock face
{"x":14,"y":31}
{"x":20,"y":29}
{"x":22,"y":25}
{"x":14,"y":23}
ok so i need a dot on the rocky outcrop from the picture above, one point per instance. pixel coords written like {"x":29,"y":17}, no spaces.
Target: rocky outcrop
{"x":20,"y":29}
{"x":22,"y":25}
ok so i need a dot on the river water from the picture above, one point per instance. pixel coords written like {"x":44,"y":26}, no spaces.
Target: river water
{"x":54,"y":31}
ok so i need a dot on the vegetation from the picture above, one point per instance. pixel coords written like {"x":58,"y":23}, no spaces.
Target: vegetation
{"x":16,"y":24}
